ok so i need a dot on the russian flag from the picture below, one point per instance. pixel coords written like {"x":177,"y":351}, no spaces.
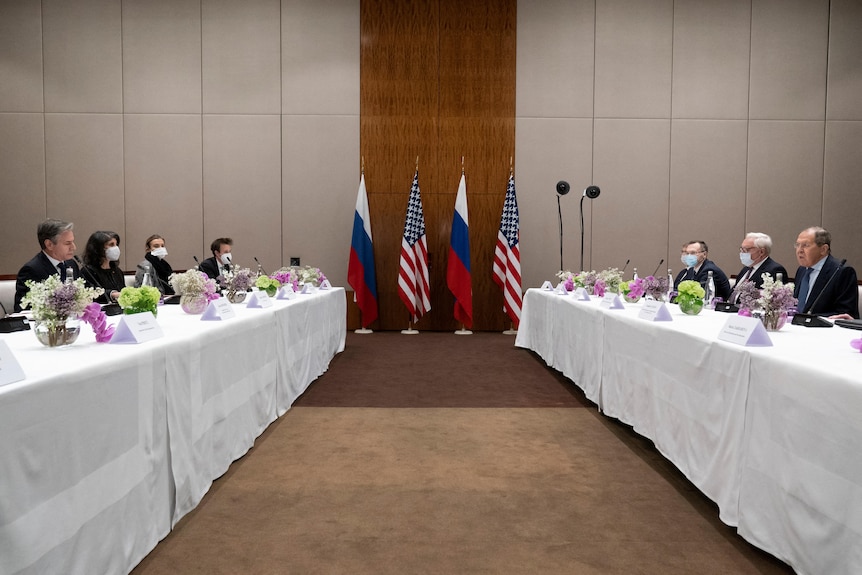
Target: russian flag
{"x":360,"y":270}
{"x":458,"y":276}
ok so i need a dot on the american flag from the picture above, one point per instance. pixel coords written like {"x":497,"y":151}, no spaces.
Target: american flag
{"x":507,"y":255}
{"x":413,"y":285}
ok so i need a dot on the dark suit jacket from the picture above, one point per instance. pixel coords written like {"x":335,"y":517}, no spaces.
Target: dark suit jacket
{"x":842,"y":295}
{"x":769,"y":266}
{"x":210,"y":267}
{"x":722,"y":285}
{"x":37,"y":269}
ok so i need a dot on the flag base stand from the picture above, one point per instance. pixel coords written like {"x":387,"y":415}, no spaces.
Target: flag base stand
{"x":363,"y":330}
{"x":463,"y":332}
{"x":510,"y":332}
{"x":410,"y":331}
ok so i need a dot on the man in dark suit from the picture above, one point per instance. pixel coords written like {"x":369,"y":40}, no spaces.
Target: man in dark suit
{"x":58,"y":247}
{"x":816,"y":269}
{"x":754,"y":255}
{"x":695,"y":258}
{"x":220,"y":260}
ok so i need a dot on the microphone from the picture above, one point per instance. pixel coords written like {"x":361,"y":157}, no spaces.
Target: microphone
{"x":658,"y":266}
{"x":84,"y":270}
{"x":810,"y":320}
{"x":260,"y":267}
{"x":197,"y":263}
{"x":624,"y":267}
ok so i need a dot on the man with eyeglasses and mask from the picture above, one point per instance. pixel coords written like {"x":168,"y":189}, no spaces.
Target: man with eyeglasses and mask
{"x":754,"y":255}
{"x":697,"y":267}
{"x":815,"y":288}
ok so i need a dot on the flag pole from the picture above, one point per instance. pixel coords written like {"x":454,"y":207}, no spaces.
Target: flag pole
{"x":409,"y":330}
{"x":363,"y":330}
{"x":463,"y":331}
{"x":511,"y":330}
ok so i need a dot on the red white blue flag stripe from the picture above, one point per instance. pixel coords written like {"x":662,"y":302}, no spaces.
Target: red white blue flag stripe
{"x":458,"y":276}
{"x":507,"y":255}
{"x":413,"y":285}
{"x":360,"y":269}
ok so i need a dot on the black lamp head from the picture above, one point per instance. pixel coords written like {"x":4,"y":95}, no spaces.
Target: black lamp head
{"x":563,"y":187}
{"x":592,"y":192}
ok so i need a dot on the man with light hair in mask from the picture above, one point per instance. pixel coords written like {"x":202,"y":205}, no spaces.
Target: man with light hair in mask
{"x":754,"y":255}
{"x":695,"y":258}
{"x":221,"y":259}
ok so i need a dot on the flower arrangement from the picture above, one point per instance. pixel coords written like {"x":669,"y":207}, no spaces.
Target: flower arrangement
{"x":609,"y":279}
{"x":632,"y":290}
{"x":94,"y":316}
{"x":286,"y":276}
{"x":774,"y":300}
{"x":54,"y":303}
{"x":655,"y":288}
{"x":138,"y":300}
{"x":237,"y":280}
{"x":267,"y":284}
{"x":690,"y":297}
{"x":194,"y":284}
{"x":310,"y":275}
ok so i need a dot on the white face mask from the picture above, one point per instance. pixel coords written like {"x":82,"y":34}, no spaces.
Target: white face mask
{"x":745,"y":258}
{"x":225,"y":259}
{"x":160,"y":252}
{"x":112,"y":253}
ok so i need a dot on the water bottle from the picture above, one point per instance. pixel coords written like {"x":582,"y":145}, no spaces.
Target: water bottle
{"x":779,"y":278}
{"x":147,"y":280}
{"x":709,"y":296}
{"x":635,"y":276}
{"x":669,"y":284}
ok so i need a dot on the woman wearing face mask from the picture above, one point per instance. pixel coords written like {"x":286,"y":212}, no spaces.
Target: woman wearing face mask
{"x":220,"y":261}
{"x":100,"y":265}
{"x":155,"y":264}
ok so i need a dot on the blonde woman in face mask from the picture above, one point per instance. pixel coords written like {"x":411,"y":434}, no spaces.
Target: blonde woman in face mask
{"x":101,"y":267}
{"x":156,"y":265}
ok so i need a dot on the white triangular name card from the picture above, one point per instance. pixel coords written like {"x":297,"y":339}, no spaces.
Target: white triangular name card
{"x":307,"y":288}
{"x":324,"y":285}
{"x":581,"y":294}
{"x":10,"y":369}
{"x":744,"y":330}
{"x":218,"y":309}
{"x":137,"y":328}
{"x":286,"y":292}
{"x":259,"y":298}
{"x":547,"y":286}
{"x":611,"y":301}
{"x":561,"y":289}
{"x":654,"y":310}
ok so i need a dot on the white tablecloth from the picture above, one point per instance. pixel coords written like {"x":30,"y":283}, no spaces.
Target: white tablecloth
{"x":104,"y":447}
{"x":772,"y":435}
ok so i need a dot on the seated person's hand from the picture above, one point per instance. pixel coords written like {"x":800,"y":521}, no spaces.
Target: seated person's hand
{"x":841,"y":316}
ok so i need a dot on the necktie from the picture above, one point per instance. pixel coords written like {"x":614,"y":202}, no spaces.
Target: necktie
{"x":803,"y":290}
{"x":62,"y":267}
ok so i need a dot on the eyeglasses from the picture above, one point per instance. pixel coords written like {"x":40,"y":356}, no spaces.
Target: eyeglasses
{"x":747,"y":250}
{"x":685,"y":253}
{"x":804,"y":246}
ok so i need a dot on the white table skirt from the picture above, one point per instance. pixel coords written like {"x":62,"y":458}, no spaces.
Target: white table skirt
{"x":772,"y":435}
{"x":104,"y":447}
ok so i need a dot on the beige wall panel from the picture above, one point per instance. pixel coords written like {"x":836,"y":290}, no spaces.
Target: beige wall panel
{"x":844,"y":82}
{"x":785,"y":182}
{"x":162,"y":56}
{"x":555,"y":58}
{"x":630,"y":218}
{"x":83,"y":56}
{"x":21,"y":56}
{"x":634,"y":51}
{"x":550,"y":150}
{"x":788,"y":59}
{"x":321,"y":178}
{"x":320,"y":57}
{"x":711,"y":46}
{"x":84,"y":164}
{"x":242,"y":186}
{"x":164,"y":189}
{"x":842,"y":190}
{"x":22,"y":187}
{"x":241,"y":57}
{"x":707,"y":188}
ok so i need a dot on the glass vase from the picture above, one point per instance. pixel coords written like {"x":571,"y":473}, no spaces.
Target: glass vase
{"x":193,"y":304}
{"x":774,"y":320}
{"x":690,"y":306}
{"x":55,"y":333}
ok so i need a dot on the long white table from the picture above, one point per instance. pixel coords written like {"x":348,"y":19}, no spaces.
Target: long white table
{"x":773,"y":435}
{"x":104,"y":447}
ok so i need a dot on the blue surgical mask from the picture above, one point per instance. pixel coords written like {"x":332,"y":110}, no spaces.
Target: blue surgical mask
{"x":745,"y":258}
{"x":690,"y":260}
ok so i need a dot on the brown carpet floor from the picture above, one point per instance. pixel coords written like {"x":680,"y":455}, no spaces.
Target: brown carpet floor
{"x":439,"y":453}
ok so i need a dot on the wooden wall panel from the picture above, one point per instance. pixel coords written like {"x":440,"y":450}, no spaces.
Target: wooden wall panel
{"x":438,"y":82}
